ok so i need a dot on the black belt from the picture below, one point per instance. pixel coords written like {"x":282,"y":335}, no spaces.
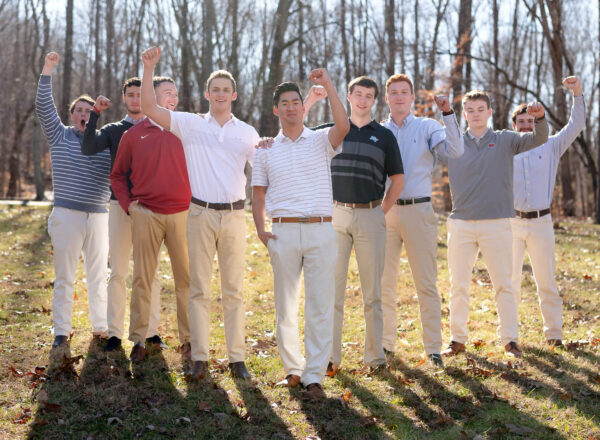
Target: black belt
{"x":220,"y":206}
{"x":532,"y":214}
{"x":402,"y":202}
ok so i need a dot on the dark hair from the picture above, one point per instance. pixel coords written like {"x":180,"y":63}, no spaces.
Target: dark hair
{"x":220,"y":74}
{"x":518,"y":111}
{"x":84,"y":98}
{"x":363,"y":81}
{"x":285,"y":87}
{"x":477,"y":95}
{"x":399,"y":77}
{"x":131,"y":82}
{"x":158,"y":80}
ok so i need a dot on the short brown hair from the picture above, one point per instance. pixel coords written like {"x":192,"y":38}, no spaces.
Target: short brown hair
{"x":363,"y":81}
{"x":131,"y":82}
{"x":158,"y":80}
{"x":285,"y":87}
{"x":220,"y":74}
{"x":85,"y":98}
{"x":518,"y":111}
{"x":399,"y":77}
{"x":477,"y":95}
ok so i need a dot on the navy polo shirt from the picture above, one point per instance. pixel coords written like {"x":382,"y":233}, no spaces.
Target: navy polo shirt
{"x":369,"y":155}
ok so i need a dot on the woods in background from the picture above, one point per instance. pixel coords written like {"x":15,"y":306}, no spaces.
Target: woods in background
{"x":518,"y":50}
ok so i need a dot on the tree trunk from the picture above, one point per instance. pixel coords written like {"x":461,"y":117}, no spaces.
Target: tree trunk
{"x":598,"y":135}
{"x":390,"y":31}
{"x":63,"y":111}
{"x":97,"y":49}
{"x":463,"y":49}
{"x":345,"y":48}
{"x":208,"y":21}
{"x":416,"y":76}
{"x":110,"y":53}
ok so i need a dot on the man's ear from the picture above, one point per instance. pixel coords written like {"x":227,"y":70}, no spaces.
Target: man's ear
{"x":206,"y":95}
{"x":464,"y":113}
{"x":386,"y":99}
{"x":234,"y":96}
{"x":275,"y":111}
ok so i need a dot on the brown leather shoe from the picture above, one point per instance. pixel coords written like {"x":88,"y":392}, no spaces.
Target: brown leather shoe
{"x":332,"y":369}
{"x":290,"y":381}
{"x":186,"y":351}
{"x":454,"y":348}
{"x":199,"y":370}
{"x":513,"y":349}
{"x":315,"y":391}
{"x":138,"y":353}
{"x":554,"y":342}
{"x":238,"y":370}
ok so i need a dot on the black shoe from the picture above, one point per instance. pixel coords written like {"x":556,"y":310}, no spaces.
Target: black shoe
{"x":238,"y":370}
{"x":60,"y":340}
{"x":156,"y":342}
{"x":199,"y":370}
{"x":436,"y":360}
{"x":113,"y":344}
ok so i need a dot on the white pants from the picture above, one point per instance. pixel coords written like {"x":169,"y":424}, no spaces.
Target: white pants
{"x":494,"y":239}
{"x":312,"y":247}
{"x":75,"y":233}
{"x":537,"y":237}
{"x":120,"y":244}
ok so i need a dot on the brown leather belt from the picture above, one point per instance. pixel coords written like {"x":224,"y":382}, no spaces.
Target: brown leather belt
{"x":371,"y":204}
{"x":403,"y":202}
{"x":301,"y":219}
{"x":532,"y":214}
{"x":219,"y":206}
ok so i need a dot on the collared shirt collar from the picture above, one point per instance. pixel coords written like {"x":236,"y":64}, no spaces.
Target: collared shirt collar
{"x":133,"y":121}
{"x":306,"y":133}
{"x":150,"y":121}
{"x":210,"y":118}
{"x":372,"y":124}
{"x":478,"y":139}
{"x":409,"y":118}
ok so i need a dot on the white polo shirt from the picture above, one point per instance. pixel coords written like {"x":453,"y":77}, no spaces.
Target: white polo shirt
{"x":215,"y":155}
{"x":297,"y":174}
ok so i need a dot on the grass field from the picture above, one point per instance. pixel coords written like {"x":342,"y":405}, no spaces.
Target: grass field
{"x":83,"y":393}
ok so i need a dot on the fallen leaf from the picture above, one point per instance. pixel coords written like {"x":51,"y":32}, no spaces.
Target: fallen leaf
{"x":478,"y":343}
{"x":368,"y":421}
{"x":183,"y":419}
{"x":15,"y":372}
{"x":204,"y":406}
{"x":566,"y":396}
{"x":421,"y":362}
{"x":22,"y":418}
{"x":346,"y":396}
{"x":441,"y":420}
{"x":50,"y":407}
{"x":595,"y":378}
{"x":334,"y":370}
{"x":114,"y":421}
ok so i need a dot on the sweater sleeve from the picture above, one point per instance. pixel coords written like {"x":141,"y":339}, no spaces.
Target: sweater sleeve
{"x":118,"y":177}
{"x":94,"y":141}
{"x":46,"y":111}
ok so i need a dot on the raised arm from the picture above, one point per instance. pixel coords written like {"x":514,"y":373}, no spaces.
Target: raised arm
{"x":315,"y":94}
{"x":527,"y":141}
{"x":44,"y":103}
{"x":95,"y":141}
{"x":150,"y":108}
{"x":449,"y":143}
{"x":341,"y":126}
{"x":564,"y":138}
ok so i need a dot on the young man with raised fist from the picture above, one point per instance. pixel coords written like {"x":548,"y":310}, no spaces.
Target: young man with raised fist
{"x":217,"y":147}
{"x":292,"y":183}
{"x":532,"y":228}
{"x":119,"y":223}
{"x":78,"y":224}
{"x":482,"y":205}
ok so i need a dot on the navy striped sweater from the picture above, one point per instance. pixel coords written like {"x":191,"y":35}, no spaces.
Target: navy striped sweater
{"x":80,"y":182}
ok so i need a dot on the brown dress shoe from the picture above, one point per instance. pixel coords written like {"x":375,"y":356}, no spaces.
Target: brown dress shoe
{"x":454,"y":348}
{"x":238,"y":370}
{"x":554,"y":342}
{"x":186,"y":351}
{"x":138,"y":353}
{"x":513,"y":349}
{"x":315,"y":391}
{"x":199,"y":370}
{"x":290,"y":381}
{"x":332,"y":369}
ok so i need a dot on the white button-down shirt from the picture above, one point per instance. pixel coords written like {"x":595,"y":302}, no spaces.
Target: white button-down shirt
{"x":420,"y":141}
{"x":297,"y":174}
{"x":535,"y":170}
{"x":215,"y":155}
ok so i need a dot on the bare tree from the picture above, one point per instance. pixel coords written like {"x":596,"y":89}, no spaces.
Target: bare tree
{"x":67,"y":64}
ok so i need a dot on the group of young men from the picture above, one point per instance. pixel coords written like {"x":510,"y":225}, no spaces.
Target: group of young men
{"x":179,"y":178}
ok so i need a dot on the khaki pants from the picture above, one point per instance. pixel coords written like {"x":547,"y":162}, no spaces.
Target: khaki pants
{"x":415,"y":226}
{"x":365,"y":230}
{"x":310,"y":247}
{"x":74,"y":233}
{"x":149,"y":229}
{"x":494,"y":239}
{"x":537,"y":236}
{"x":119,"y":252}
{"x":223,"y":232}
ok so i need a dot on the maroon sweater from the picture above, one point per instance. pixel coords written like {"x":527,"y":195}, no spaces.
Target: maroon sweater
{"x":155,"y":163}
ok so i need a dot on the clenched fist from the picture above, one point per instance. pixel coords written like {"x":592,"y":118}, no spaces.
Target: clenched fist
{"x":320,"y":77}
{"x":102,"y":103}
{"x":151,"y":56}
{"x":443,"y":103}
{"x":572,"y":83}
{"x":50,"y":63}
{"x":536,"y":110}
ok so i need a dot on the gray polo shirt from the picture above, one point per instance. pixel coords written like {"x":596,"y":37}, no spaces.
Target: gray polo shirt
{"x":481,"y":180}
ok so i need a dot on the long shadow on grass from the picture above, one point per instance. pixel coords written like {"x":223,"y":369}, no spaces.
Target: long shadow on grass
{"x":333,"y":420}
{"x":493,"y":404}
